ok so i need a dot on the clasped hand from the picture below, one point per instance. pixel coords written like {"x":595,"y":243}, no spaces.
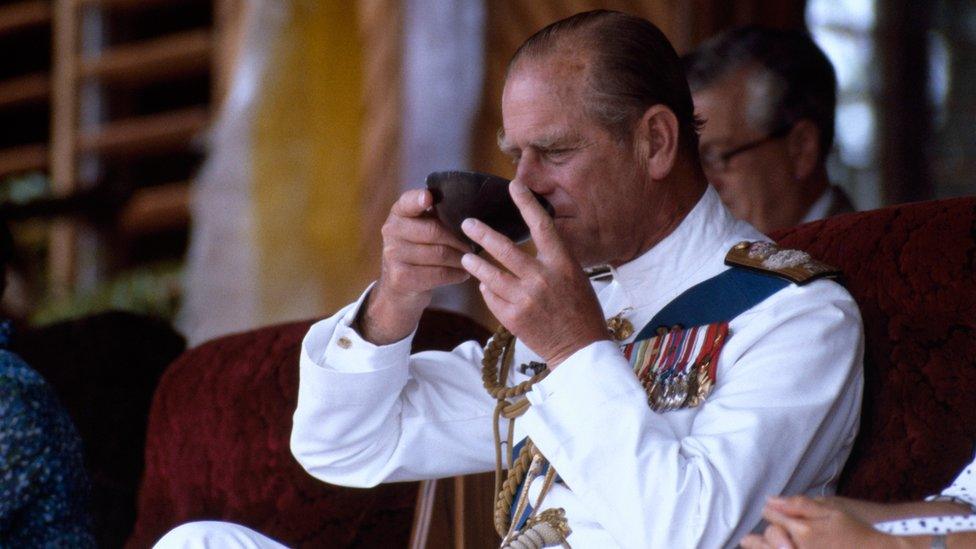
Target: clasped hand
{"x":799,"y":522}
{"x":546,"y":301}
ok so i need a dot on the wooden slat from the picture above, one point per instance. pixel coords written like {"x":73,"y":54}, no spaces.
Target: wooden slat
{"x":422,"y":513}
{"x":131,"y":4}
{"x":152,"y":60}
{"x":62,"y":243}
{"x":22,"y":159}
{"x":156,"y":209}
{"x":144,"y":134}
{"x":33,"y":88}
{"x":29,"y":13}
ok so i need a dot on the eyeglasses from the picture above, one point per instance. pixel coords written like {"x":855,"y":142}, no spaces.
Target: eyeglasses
{"x":715,"y":161}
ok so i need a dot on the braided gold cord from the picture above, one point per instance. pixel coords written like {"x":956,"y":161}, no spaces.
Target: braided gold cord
{"x":499,"y":343}
{"x":505,"y":497}
{"x":501,"y":348}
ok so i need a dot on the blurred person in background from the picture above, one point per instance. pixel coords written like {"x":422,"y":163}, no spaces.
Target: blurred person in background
{"x":767,"y":98}
{"x":44,"y":488}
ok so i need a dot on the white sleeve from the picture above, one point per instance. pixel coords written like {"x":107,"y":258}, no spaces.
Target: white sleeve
{"x":782,"y":416}
{"x":963,"y":487}
{"x":368,"y":414}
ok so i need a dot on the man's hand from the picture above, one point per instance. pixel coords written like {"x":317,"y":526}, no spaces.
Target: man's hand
{"x":419,"y":254}
{"x":546,"y":301}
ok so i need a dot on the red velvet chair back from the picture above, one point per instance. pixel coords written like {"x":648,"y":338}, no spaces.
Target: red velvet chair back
{"x":912,"y":270}
{"x":217,"y":447}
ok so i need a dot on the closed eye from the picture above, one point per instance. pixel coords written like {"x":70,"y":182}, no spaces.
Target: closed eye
{"x":558,"y":156}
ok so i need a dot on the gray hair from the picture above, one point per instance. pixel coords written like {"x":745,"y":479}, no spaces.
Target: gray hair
{"x":631,"y":66}
{"x":790,"y":77}
{"x":765,"y":91}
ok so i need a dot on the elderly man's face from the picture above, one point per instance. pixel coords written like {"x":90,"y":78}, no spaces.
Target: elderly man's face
{"x":752,"y":184}
{"x":591,"y":179}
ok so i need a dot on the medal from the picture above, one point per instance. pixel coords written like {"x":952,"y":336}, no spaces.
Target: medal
{"x":619,"y":327}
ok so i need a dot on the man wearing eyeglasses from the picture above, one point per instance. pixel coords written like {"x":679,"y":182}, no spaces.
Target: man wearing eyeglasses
{"x":767,"y":98}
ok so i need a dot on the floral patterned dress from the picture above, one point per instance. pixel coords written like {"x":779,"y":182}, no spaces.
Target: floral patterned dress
{"x":43,"y":485}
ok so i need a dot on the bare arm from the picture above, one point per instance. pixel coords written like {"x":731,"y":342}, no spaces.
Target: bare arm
{"x":802,"y":523}
{"x":870,"y":512}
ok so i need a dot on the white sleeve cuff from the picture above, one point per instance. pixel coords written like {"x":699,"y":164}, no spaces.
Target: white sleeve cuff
{"x":334,"y":344}
{"x":597,"y":373}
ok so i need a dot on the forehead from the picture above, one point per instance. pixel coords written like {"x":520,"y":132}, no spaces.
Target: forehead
{"x":542,"y":96}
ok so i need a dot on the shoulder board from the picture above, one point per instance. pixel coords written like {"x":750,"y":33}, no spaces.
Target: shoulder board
{"x":598,"y":273}
{"x":794,"y":265}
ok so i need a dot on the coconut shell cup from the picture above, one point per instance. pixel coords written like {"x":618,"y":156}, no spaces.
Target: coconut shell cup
{"x":459,"y":195}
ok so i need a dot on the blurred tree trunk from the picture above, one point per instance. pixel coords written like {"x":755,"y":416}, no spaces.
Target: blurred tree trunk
{"x":697,"y":20}
{"x":906,"y":113}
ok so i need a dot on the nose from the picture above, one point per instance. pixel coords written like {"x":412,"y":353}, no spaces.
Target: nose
{"x":530,"y":173}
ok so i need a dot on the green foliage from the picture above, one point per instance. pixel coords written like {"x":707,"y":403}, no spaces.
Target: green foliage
{"x":153,"y":290}
{"x":24,"y":188}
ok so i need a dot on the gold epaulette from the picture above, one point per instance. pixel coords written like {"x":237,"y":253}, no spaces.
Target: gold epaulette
{"x":794,"y":265}
{"x":600,"y":272}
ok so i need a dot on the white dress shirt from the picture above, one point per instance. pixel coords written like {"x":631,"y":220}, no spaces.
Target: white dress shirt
{"x":781,"y":418}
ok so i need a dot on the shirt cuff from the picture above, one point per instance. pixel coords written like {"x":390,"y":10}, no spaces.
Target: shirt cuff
{"x":335,"y":344}
{"x":597,"y":372}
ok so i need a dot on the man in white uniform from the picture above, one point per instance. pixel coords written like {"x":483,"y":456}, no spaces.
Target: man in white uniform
{"x":598,"y":117}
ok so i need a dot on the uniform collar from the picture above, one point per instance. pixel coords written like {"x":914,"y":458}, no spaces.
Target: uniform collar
{"x":669,"y":265}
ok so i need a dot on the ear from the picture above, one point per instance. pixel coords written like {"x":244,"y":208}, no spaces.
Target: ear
{"x":803,"y":146}
{"x":656,"y":141}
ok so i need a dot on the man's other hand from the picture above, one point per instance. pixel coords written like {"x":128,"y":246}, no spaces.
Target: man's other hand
{"x":419,"y":254}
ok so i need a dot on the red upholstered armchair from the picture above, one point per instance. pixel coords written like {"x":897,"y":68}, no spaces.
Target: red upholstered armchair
{"x":912,"y":270}
{"x":217,"y":444}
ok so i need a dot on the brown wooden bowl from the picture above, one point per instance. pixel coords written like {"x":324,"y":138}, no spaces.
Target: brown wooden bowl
{"x":459,"y":195}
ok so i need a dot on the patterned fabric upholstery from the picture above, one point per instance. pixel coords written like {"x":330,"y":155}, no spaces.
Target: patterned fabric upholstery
{"x":217,"y":447}
{"x":912,"y":270}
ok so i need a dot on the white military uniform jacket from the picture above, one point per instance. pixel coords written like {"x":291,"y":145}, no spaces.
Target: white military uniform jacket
{"x":780,"y":420}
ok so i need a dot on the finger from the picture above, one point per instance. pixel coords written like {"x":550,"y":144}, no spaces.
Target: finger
{"x":500,"y":247}
{"x":800,"y":506}
{"x":778,"y":537}
{"x":412,"y":203}
{"x":540,"y":224}
{"x":431,"y":255}
{"x":498,"y":306}
{"x":422,"y":231}
{"x":797,"y":527}
{"x":500,"y":283}
{"x":424,"y":278}
{"x":754,"y":541}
